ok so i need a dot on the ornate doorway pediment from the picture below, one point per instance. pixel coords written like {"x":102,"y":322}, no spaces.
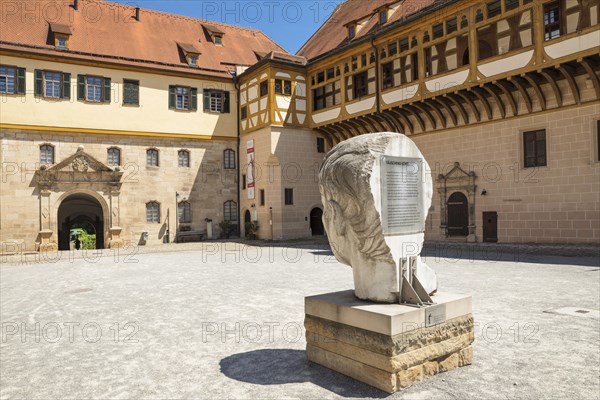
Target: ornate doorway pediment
{"x":78,"y":168}
{"x":457,"y":180}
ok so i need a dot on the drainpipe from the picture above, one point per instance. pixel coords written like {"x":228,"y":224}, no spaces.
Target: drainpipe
{"x":377,"y":91}
{"x":236,"y":84}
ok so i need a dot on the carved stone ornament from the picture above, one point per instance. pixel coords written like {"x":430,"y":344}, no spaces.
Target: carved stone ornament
{"x":80,"y":164}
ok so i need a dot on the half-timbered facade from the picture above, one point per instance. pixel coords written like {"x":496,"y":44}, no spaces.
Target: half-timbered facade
{"x":501,"y":96}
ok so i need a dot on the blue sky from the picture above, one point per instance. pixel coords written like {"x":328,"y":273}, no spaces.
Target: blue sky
{"x":289,"y":23}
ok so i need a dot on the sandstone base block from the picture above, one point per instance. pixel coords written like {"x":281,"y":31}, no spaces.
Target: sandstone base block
{"x":388,"y":346}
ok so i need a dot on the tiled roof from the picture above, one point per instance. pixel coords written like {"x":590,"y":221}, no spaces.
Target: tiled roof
{"x":333,"y":33}
{"x":108,"y":32}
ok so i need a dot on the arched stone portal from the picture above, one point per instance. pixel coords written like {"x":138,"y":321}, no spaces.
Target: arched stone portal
{"x":457,"y":203}
{"x":80,"y":208}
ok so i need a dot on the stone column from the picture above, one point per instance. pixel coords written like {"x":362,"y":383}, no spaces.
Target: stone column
{"x":46,"y":243}
{"x":114,"y":219}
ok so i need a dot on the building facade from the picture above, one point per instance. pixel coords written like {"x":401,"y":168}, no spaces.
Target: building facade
{"x":119,"y":118}
{"x":188,"y":124}
{"x":502,"y":97}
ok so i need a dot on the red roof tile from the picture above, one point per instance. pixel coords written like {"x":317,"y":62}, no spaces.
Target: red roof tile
{"x":108,"y":32}
{"x":334,"y":32}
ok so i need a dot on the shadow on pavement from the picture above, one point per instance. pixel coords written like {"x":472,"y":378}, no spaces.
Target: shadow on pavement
{"x":281,"y":366}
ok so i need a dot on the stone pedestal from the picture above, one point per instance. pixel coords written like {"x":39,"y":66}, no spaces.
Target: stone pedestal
{"x":388,"y":346}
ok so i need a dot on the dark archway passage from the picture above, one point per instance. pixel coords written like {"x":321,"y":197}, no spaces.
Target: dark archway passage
{"x":458,"y":215}
{"x":316,"y":222}
{"x":247,"y":220}
{"x":79,"y":209}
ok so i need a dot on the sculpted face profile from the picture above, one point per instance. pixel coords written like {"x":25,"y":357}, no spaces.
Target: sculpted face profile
{"x":350,"y":184}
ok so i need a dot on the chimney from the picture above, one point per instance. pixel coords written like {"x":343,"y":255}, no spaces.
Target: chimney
{"x":76,"y":5}
{"x":137,"y":14}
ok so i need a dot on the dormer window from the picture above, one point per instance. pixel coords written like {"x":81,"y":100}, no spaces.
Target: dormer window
{"x":351,"y":31}
{"x":383,"y":16}
{"x":61,"y":35}
{"x":215,"y":34}
{"x":190,"y":52}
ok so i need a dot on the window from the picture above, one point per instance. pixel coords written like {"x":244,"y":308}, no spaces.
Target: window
{"x":244,"y":112}
{"x":153,"y":212}
{"x":216,"y":101}
{"x":289,"y":197}
{"x":264,"y":88}
{"x":183,"y":98}
{"x":360,"y":85}
{"x":93,"y":89}
{"x":534,"y":148}
{"x":283,"y":87}
{"x":218,"y":40}
{"x":184,"y":212}
{"x":552,"y":20}
{"x":383,"y":16}
{"x":494,"y":9}
{"x":183,"y":157}
{"x":243,"y":182}
{"x":387,"y":75}
{"x":326,"y":96}
{"x":351,"y":31}
{"x":8,"y":78}
{"x":52,"y":84}
{"x":230,"y":211}
{"x":320,"y":145}
{"x":131,"y":92}
{"x":330,"y":73}
{"x":262,"y":198}
{"x":152,"y":158}
{"x":511,"y":4}
{"x":415,"y":66}
{"x":46,"y":154}
{"x":193,"y":60}
{"x":393,"y":48}
{"x":61,"y":41}
{"x":428,"y":67}
{"x":452,"y":25}
{"x":438,"y":31}
{"x":229,"y":159}
{"x":114,"y":157}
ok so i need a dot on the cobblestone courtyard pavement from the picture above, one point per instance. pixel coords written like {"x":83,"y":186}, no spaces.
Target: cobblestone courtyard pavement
{"x":211,"y":323}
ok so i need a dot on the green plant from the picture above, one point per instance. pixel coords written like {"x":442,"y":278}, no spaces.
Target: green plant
{"x":226,"y":229}
{"x":252,"y":229}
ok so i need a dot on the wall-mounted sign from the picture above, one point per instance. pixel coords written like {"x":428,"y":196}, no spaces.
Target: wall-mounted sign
{"x":250,"y":168}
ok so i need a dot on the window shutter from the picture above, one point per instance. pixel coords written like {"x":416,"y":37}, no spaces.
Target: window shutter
{"x":206,"y":100}
{"x":172,"y":97}
{"x":20,"y":80}
{"x":38,"y":88}
{"x":226,"y":107}
{"x":66,"y":85}
{"x":80,"y":87}
{"x":194,"y":99}
{"x":107,"y":90}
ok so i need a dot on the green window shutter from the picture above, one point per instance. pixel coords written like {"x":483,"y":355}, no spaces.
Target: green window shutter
{"x":80,"y":87}
{"x":172,"y":97}
{"x":107,"y":90}
{"x":66,"y":85}
{"x":38,"y":87}
{"x":20,"y":80}
{"x":206,"y":100}
{"x":226,"y":107}
{"x":194,"y":99}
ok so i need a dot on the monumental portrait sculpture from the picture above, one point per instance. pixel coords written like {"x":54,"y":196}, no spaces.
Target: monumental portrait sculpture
{"x":376,"y":195}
